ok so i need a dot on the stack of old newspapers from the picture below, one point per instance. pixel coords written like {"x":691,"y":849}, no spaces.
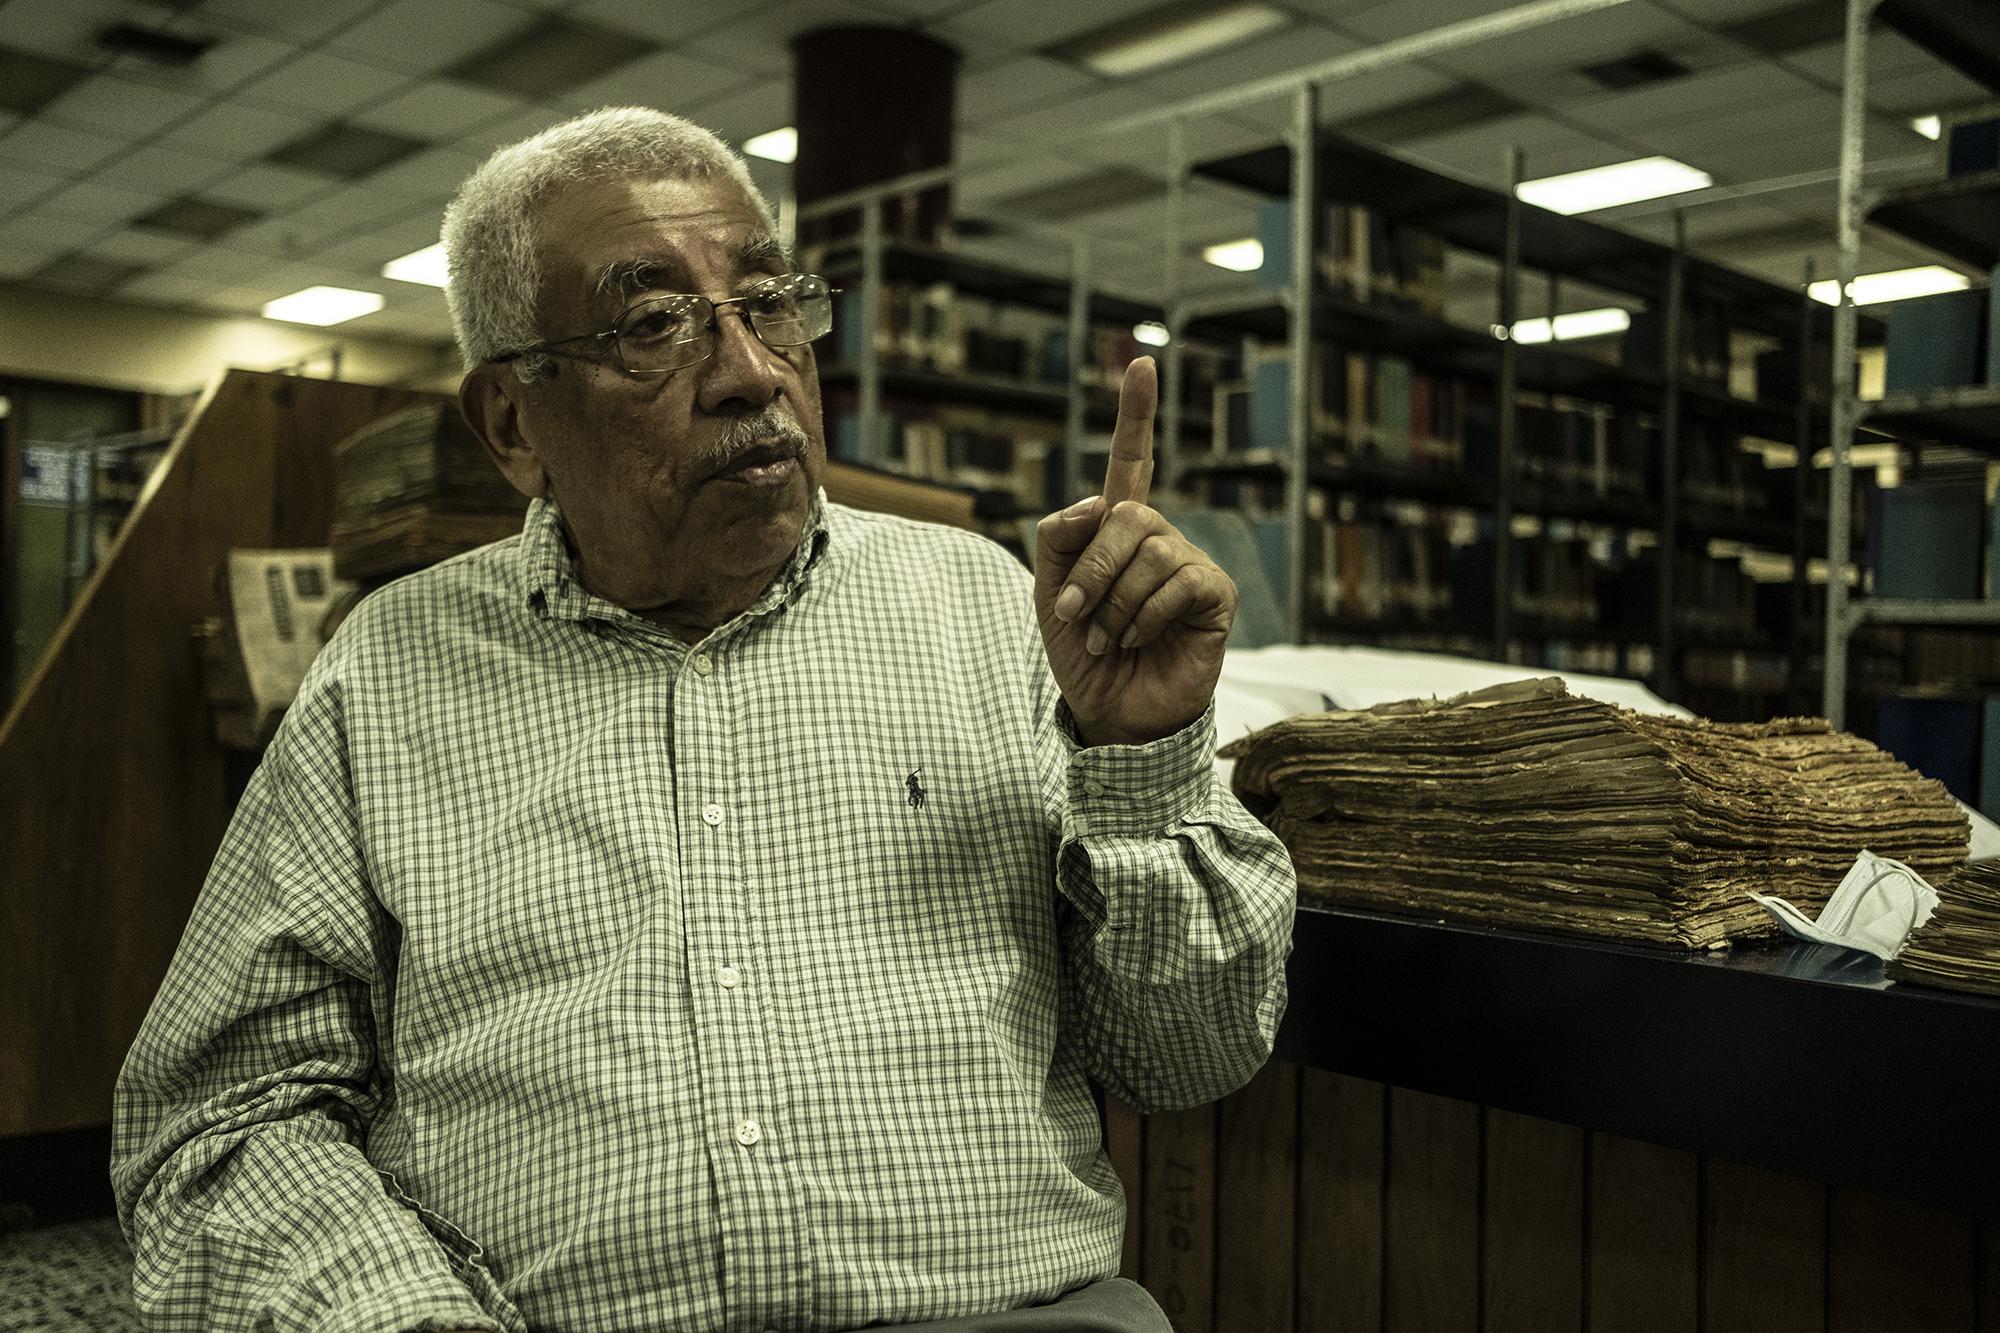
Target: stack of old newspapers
{"x":1523,"y":805}
{"x":414,"y":488}
{"x":1959,"y":947}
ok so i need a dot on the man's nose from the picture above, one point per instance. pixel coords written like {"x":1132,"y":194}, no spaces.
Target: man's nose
{"x":742,"y":371}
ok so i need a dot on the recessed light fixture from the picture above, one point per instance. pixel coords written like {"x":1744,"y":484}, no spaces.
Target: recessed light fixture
{"x":1169,"y":36}
{"x":774,"y":145}
{"x":1895,"y":285}
{"x":1152,"y":333}
{"x":1577,"y":324}
{"x":1243,"y":256}
{"x":425,"y":266}
{"x":1931,"y":127}
{"x":323,"y":306}
{"x":1619,"y":183}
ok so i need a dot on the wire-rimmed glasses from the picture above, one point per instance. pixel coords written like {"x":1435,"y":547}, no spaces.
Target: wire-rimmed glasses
{"x":658,"y":335}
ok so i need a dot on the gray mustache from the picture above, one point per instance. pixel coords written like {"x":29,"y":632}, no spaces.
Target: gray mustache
{"x":774,"y":427}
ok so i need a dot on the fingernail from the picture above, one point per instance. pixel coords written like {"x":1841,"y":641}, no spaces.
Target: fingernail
{"x":1130,"y":637}
{"x":1069,"y":603}
{"x":1081,"y":507}
{"x":1095,"y":643}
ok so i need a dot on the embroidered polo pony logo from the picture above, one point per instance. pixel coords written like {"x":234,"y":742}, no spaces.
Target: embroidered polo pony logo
{"x":915,"y":789}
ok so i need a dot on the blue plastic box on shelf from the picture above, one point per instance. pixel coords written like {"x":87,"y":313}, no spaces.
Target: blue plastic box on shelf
{"x":1936,"y":342}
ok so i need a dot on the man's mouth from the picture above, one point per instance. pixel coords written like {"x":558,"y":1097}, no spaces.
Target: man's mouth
{"x":761,"y":465}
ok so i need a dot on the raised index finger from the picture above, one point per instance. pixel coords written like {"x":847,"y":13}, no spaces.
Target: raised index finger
{"x":1130,"y":474}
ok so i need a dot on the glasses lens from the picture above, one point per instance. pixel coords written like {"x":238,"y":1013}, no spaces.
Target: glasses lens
{"x":665,"y":333}
{"x":791,"y":310}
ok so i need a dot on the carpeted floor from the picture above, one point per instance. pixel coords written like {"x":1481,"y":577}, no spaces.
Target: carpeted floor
{"x":64,"y":1277}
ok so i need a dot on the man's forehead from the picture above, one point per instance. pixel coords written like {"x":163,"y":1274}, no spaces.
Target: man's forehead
{"x":601,"y":225}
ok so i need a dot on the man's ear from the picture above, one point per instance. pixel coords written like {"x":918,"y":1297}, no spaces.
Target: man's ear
{"x":489,"y":398}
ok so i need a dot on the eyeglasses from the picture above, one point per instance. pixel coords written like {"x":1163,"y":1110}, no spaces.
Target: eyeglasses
{"x":662,"y":334}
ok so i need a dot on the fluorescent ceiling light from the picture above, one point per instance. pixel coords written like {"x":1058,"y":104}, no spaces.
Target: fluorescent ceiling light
{"x":1153,"y":40}
{"x":1619,"y":183}
{"x":1243,"y":256}
{"x":774,"y":145}
{"x":323,"y":305}
{"x":425,"y":266}
{"x":1931,"y":127}
{"x":1895,"y":285}
{"x":1151,"y":333}
{"x":1578,"y":324}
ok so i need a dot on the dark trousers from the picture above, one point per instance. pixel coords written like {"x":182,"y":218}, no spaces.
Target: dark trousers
{"x":1115,"y":1305}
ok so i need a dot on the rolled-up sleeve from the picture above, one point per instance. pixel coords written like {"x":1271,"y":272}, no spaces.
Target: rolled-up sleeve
{"x":1181,"y":912}
{"x":242,"y":1108}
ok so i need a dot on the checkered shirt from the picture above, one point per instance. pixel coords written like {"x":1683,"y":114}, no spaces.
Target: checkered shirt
{"x":557,"y":974}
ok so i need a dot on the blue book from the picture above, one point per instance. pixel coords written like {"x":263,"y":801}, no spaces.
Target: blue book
{"x":1927,"y":539}
{"x":1989,"y":763}
{"x":1937,"y":737}
{"x":1935,"y":341}
{"x":1993,"y":328}
{"x":1274,"y":233}
{"x":1271,"y":405}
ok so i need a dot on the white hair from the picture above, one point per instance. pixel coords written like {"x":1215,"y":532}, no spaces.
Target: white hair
{"x":492,"y":241}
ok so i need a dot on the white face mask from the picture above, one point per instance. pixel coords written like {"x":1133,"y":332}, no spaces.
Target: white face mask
{"x":1877,"y":905}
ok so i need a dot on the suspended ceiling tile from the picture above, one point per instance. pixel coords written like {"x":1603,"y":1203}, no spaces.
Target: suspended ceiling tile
{"x":300,"y":22}
{"x":513,"y":129}
{"x":120,"y":107}
{"x":423,"y":36}
{"x":168,"y":289}
{"x":290,"y":237}
{"x":1564,"y":44}
{"x":151,"y":248}
{"x":1548,"y":148}
{"x":264,"y":186}
{"x":106,"y":203}
{"x":236,"y":58}
{"x":22,"y":186}
{"x":66,"y":28}
{"x":1036,"y":24}
{"x":1926,"y":93}
{"x":1735,"y":89}
{"x":216,"y":265}
{"x":236,"y":130}
{"x":1017,"y":83}
{"x":1057,"y":124}
{"x":57,"y":148}
{"x":432,"y":175}
{"x":325,"y":85}
{"x":438,"y":109}
{"x":366,"y":207}
{"x":17,"y":261}
{"x":169,"y":170}
{"x":1293,"y":47}
{"x":54,"y":232}
{"x":664,"y":79}
{"x":760,"y":43}
{"x":736,"y":116}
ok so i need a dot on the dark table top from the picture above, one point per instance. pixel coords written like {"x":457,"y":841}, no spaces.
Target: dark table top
{"x":1796,"y":1057}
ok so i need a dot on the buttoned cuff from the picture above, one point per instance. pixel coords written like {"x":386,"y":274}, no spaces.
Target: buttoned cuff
{"x":1139,"y":790}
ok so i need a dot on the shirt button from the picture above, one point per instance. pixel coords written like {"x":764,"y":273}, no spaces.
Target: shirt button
{"x":729,"y":977}
{"x":711,"y":814}
{"x":747,"y":1132}
{"x":703,"y":663}
{"x":1092,"y":787}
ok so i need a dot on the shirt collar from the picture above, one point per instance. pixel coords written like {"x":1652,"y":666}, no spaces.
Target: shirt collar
{"x":548,"y":571}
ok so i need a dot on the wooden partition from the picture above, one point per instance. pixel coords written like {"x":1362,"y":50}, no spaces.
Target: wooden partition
{"x":112,"y":799}
{"x":1321,"y":1203}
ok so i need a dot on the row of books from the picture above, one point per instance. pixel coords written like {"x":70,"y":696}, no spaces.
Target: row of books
{"x":942,"y":329}
{"x":1439,"y":569}
{"x":956,"y":445}
{"x":1362,"y":256}
{"x":1364,"y":405}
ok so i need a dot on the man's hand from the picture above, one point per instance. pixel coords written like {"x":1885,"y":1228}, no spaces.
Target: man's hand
{"x":1133,"y":615}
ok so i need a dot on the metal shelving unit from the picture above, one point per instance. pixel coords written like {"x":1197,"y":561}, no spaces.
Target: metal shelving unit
{"x":1494,"y":223}
{"x":1961,"y":219}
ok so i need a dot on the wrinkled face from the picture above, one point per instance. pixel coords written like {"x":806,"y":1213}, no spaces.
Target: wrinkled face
{"x":702,"y":478}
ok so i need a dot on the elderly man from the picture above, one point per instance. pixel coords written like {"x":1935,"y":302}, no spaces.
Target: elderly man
{"x":708,"y":909}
